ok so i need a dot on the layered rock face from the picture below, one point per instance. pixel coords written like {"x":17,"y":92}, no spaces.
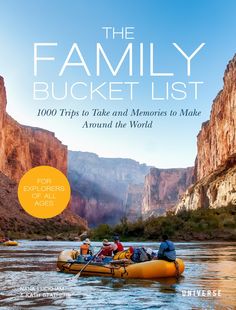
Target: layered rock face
{"x":163,"y":188}
{"x":107,"y":189}
{"x":100,"y":186}
{"x":134,"y":202}
{"x":216,"y":157}
{"x":2,"y":114}
{"x":22,"y":148}
{"x":214,"y":191}
{"x":217,"y":139}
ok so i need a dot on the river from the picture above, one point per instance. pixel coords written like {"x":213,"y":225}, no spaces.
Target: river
{"x":29,"y":280}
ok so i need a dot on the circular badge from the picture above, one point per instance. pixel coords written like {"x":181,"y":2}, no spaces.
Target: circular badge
{"x":44,"y":192}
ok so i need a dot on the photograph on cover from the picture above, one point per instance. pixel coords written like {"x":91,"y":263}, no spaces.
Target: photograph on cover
{"x":117,"y":154}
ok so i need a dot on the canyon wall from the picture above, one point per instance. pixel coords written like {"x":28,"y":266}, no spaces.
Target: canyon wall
{"x":22,"y":148}
{"x":134,"y":202}
{"x":100,"y":186}
{"x":216,"y":152}
{"x":163,"y":188}
{"x":106,"y":189}
{"x":216,"y":141}
{"x":2,"y":115}
{"x":14,"y":220}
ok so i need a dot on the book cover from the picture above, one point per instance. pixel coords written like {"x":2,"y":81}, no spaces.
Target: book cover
{"x":117,"y":154}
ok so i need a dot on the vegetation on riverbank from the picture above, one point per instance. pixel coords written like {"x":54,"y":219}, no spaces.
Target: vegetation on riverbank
{"x":201,"y":224}
{"x":54,"y":231}
{"x":197,"y":225}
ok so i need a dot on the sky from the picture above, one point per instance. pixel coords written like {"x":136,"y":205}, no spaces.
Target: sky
{"x":171,"y":140}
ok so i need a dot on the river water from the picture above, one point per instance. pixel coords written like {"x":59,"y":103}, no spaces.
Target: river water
{"x":29,"y":280}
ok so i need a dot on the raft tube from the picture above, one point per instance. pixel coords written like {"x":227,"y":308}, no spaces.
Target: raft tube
{"x":145,"y":270}
{"x":10,"y":243}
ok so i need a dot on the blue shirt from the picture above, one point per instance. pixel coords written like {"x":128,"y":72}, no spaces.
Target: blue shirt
{"x":167,"y":249}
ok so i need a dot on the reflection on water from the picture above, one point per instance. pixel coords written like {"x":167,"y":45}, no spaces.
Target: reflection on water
{"x":28,"y":279}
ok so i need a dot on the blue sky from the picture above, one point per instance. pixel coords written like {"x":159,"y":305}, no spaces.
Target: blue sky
{"x":172,"y":141}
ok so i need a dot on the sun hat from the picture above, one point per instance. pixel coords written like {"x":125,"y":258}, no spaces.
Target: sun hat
{"x":106,"y":242}
{"x":87,"y":241}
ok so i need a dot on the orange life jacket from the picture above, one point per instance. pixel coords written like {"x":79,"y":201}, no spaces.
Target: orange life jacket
{"x":84,"y":249}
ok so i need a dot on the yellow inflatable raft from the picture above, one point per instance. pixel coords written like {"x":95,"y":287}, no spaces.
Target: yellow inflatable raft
{"x":145,"y":270}
{"x":10,"y":243}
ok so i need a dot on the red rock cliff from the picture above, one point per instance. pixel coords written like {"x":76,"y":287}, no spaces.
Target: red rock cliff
{"x":14,"y":220}
{"x":216,"y":158}
{"x":24,"y":147}
{"x":217,"y":139}
{"x":2,"y":113}
{"x":163,"y":187}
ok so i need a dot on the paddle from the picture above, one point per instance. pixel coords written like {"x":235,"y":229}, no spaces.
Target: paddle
{"x":93,"y":257}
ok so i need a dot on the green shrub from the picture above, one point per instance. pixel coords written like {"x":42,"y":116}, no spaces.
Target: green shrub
{"x":101,"y":232}
{"x":208,"y":222}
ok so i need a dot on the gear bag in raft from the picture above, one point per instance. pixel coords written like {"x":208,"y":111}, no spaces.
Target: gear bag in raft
{"x":124,"y":254}
{"x":139,"y":255}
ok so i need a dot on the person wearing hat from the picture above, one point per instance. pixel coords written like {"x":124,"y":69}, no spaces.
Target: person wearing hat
{"x":107,"y":249}
{"x":85,"y":248}
{"x":119,"y":246}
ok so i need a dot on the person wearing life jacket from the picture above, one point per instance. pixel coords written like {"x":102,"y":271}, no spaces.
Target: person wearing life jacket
{"x":118,"y":245}
{"x":166,"y":250}
{"x":4,"y":239}
{"x":85,"y":248}
{"x":107,"y":249}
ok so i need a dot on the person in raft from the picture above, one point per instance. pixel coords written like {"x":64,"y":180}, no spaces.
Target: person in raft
{"x":4,"y":239}
{"x":106,"y":251}
{"x":85,"y":248}
{"x":166,"y":250}
{"x":118,"y":246}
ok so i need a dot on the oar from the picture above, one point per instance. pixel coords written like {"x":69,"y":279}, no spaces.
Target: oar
{"x":79,"y":273}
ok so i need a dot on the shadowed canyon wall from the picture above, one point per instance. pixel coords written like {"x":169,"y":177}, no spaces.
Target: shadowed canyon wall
{"x":100,"y":186}
{"x":106,"y":189}
{"x":22,"y":148}
{"x":163,"y":188}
